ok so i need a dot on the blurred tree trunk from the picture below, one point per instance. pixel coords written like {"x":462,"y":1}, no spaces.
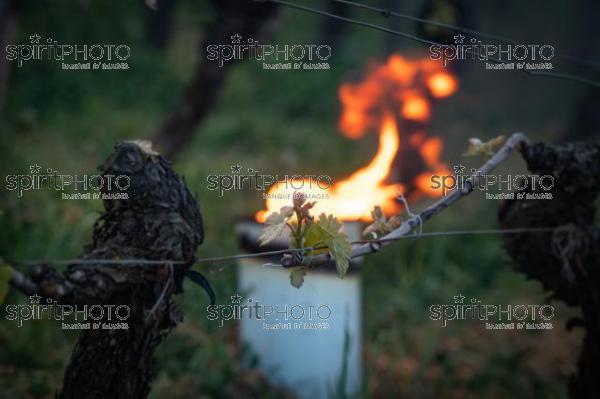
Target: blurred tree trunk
{"x":9,"y":19}
{"x":392,"y":42}
{"x":584,"y":123}
{"x":463,"y":13}
{"x":246,"y":18}
{"x":159,"y":24}
{"x":332,"y":29}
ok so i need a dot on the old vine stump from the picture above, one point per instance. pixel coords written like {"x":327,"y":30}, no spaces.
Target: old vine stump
{"x":567,"y":261}
{"x":159,"y":221}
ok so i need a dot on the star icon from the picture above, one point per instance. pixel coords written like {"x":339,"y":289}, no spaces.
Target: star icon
{"x":236,"y":39}
{"x":35,"y":39}
{"x":235,"y":299}
{"x":35,"y":299}
{"x":458,"y":39}
{"x":459,"y":298}
{"x":35,"y":169}
{"x":459,"y":169}
{"x":237,"y":168}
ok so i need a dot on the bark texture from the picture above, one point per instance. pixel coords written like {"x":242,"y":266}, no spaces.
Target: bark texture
{"x":567,"y":261}
{"x":160,"y":220}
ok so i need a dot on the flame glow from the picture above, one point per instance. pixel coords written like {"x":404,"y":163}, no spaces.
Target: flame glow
{"x":402,"y":87}
{"x":355,"y":197}
{"x":442,"y":84}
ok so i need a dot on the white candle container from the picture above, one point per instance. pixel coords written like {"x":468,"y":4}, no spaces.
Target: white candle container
{"x":309,"y":339}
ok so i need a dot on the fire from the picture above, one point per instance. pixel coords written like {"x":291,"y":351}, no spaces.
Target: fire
{"x":400,"y":81}
{"x":402,"y":87}
{"x":355,"y":197}
{"x":415,"y":108}
{"x":442,"y":84}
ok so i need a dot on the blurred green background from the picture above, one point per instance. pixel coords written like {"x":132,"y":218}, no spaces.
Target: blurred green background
{"x":283,"y":122}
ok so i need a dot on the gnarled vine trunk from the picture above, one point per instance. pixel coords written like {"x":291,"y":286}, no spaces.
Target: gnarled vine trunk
{"x":567,"y":262}
{"x":159,"y":220}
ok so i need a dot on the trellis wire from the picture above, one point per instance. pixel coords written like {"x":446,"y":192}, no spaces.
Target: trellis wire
{"x":557,"y":75}
{"x":150,"y":262}
{"x":385,"y":12}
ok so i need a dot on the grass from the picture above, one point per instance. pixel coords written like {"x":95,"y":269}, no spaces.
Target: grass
{"x":273,"y":122}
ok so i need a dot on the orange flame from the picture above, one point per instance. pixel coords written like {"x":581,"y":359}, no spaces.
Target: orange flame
{"x":401,"y":84}
{"x":442,"y":84}
{"x":399,"y":80}
{"x":354,"y":197}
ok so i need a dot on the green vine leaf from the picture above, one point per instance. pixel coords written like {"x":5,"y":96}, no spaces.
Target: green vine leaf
{"x":326,"y":232}
{"x":488,"y":148}
{"x":324,"y":235}
{"x":380,"y":225}
{"x":297,"y":276}
{"x":275,"y":224}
